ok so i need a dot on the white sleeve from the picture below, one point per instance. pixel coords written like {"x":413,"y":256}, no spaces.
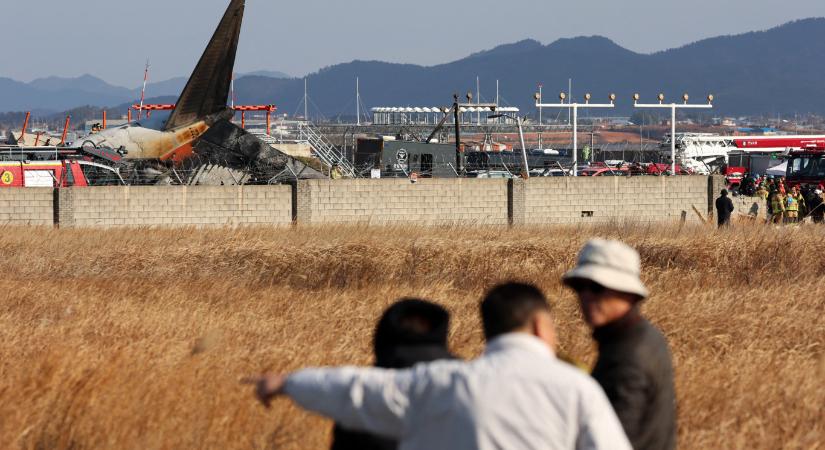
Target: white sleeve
{"x":599,"y":428}
{"x":365,"y":399}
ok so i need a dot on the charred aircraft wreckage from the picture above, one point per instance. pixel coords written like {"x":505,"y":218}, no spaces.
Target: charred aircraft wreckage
{"x":198,"y":143}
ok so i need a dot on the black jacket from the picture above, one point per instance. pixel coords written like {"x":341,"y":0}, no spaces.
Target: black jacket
{"x":634,"y":368}
{"x":724,"y":207}
{"x":409,"y":332}
{"x":817,"y":208}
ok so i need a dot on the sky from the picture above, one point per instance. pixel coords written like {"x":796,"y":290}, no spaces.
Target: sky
{"x":113,"y":39}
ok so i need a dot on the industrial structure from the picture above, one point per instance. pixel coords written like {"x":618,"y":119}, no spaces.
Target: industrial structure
{"x":407,"y":115}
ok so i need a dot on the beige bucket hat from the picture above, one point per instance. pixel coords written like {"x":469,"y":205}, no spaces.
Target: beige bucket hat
{"x":612,"y":264}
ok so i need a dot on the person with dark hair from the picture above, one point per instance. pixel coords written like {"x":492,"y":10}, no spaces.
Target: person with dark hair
{"x":510,"y":306}
{"x":634,"y":365}
{"x":724,"y":208}
{"x":410,"y":331}
{"x":517,"y":395}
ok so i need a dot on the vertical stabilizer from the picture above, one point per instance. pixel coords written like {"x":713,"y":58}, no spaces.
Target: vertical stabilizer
{"x":207,"y":90}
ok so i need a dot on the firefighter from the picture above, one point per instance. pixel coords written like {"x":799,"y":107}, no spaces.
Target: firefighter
{"x":762,"y":192}
{"x":791,"y":208}
{"x":335,"y":172}
{"x":777,"y":207}
{"x":796,"y":192}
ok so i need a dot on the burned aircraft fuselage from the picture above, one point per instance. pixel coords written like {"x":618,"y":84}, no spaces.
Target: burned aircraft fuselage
{"x":202,"y":103}
{"x":141,"y":143}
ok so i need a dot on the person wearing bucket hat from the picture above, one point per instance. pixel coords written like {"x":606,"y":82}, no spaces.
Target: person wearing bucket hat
{"x":634,"y":364}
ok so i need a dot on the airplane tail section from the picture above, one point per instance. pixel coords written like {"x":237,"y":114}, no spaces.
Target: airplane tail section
{"x":207,"y":90}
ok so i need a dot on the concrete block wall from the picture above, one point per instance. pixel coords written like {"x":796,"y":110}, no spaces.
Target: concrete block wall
{"x":755,"y":206}
{"x":387,"y":201}
{"x":394,"y":201}
{"x":175,"y":206}
{"x":29,"y":206}
{"x":604,"y":199}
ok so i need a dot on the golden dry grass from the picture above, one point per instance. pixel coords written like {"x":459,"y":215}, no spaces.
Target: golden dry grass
{"x":137,"y":338}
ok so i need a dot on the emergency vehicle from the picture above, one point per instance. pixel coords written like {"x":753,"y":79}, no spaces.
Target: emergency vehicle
{"x":733,"y":175}
{"x":704,"y":152}
{"x":806,"y":166}
{"x":55,"y":174}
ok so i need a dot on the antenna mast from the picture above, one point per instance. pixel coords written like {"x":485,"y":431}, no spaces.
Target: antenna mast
{"x":143,"y":91}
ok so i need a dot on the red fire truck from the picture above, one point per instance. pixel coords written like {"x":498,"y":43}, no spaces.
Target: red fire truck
{"x":805,"y":155}
{"x":733,"y":175}
{"x":806,"y":166}
{"x":63,"y":173}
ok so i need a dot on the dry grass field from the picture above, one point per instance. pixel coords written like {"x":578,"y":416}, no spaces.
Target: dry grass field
{"x":137,"y":338}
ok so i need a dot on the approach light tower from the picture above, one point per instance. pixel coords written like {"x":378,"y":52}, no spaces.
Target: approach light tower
{"x":673,"y":107}
{"x":575,"y":108}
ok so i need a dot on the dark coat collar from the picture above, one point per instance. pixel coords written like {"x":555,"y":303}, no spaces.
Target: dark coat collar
{"x":624,"y":327}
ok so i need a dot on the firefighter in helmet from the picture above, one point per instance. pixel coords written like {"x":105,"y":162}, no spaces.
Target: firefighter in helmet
{"x":777,"y":206}
{"x":792,"y":206}
{"x":800,"y":199}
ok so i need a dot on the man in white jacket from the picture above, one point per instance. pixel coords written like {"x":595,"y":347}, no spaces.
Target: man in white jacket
{"x":515,"y":396}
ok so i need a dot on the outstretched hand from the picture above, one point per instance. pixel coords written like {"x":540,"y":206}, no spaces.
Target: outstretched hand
{"x":267,"y":386}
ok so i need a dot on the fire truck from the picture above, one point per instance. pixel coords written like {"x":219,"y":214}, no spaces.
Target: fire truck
{"x":65,"y":173}
{"x":58,"y":167}
{"x":704,"y":152}
{"x":805,"y":155}
{"x":806,"y":166}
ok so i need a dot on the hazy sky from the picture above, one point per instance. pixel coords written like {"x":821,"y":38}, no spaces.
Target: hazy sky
{"x":112,"y":39}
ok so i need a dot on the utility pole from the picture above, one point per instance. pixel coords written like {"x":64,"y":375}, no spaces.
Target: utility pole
{"x":497,"y":99}
{"x":673,"y":107}
{"x":456,"y":113}
{"x":641,"y":138}
{"x":541,"y":146}
{"x":306,"y":101}
{"x":478,"y":99}
{"x":574,"y":109}
{"x":357,"y":102}
{"x":456,"y":110}
{"x":592,"y":148}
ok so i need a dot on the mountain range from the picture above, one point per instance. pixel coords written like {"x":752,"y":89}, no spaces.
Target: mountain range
{"x":778,"y":71}
{"x":52,"y":94}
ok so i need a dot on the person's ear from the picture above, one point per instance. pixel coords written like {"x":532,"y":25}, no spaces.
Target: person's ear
{"x":543,"y":328}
